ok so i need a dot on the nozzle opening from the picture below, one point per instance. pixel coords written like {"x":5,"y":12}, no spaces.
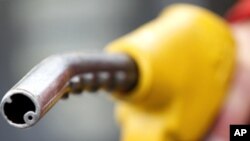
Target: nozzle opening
{"x":18,"y":108}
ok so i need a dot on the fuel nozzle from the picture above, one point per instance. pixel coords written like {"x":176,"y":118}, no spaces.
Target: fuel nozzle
{"x":59,"y":75}
{"x":171,"y":77}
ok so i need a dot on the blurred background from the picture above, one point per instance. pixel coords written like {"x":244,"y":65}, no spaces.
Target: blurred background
{"x":31,"y":30}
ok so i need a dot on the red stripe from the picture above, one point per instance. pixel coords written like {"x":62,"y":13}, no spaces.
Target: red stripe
{"x":239,"y":12}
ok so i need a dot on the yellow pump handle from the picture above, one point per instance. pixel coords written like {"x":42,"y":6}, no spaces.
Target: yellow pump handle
{"x":185,"y":58}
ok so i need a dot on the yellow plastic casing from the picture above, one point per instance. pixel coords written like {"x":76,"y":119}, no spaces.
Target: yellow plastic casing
{"x":185,"y":59}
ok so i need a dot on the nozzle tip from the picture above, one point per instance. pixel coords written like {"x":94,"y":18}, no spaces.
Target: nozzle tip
{"x":19,"y":109}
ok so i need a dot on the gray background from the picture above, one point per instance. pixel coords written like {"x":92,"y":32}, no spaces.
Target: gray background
{"x":30,"y":30}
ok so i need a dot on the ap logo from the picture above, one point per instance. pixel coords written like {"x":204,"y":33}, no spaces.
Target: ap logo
{"x":239,"y":133}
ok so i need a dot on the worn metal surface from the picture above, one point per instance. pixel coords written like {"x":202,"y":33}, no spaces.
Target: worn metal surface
{"x":46,"y":83}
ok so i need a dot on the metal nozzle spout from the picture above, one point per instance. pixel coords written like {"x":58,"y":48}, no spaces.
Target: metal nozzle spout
{"x":25,"y":103}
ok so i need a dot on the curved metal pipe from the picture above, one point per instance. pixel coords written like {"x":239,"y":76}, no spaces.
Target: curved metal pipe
{"x":25,"y":103}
